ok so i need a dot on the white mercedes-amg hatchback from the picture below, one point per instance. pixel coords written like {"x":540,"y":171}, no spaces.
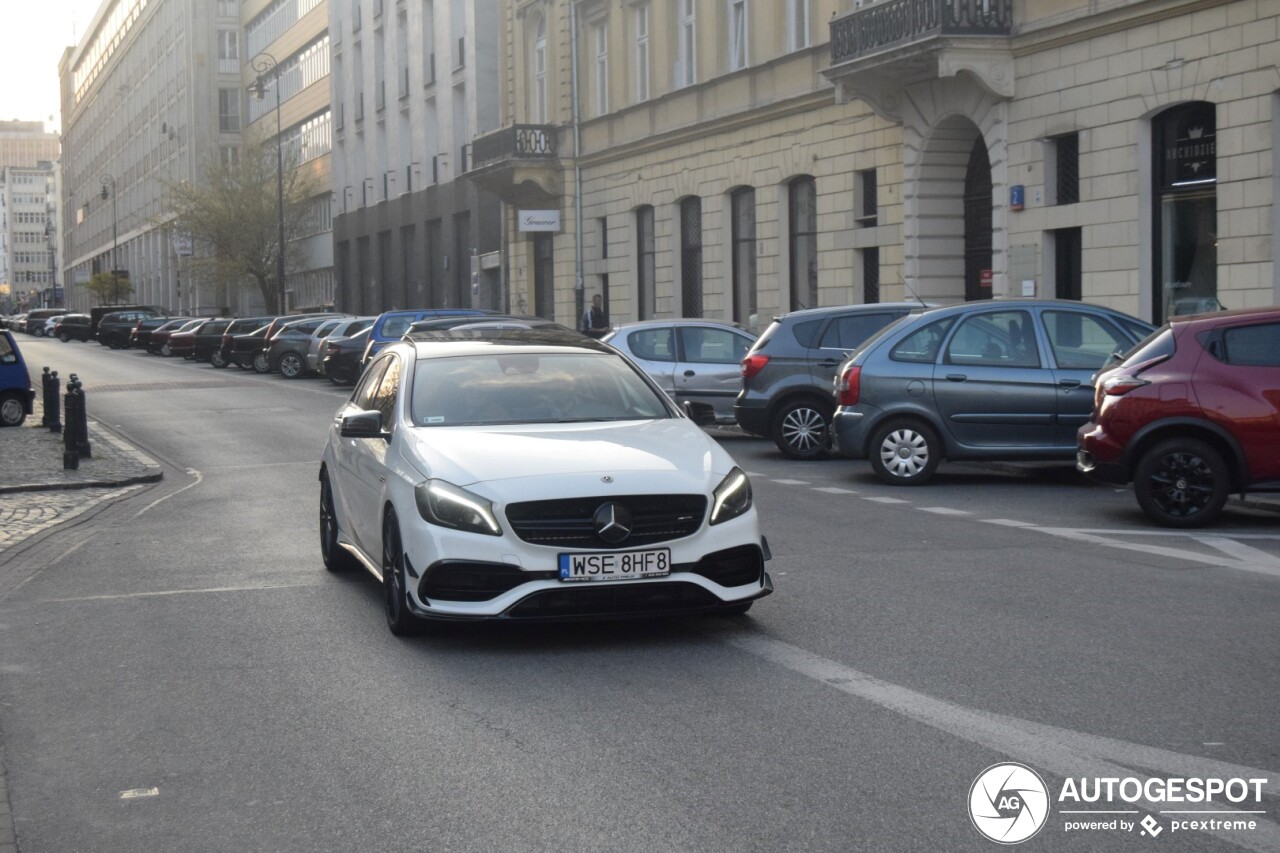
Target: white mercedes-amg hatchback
{"x":531,"y":475}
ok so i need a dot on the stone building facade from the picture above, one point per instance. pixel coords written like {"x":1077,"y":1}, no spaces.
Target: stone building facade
{"x":741,"y":158}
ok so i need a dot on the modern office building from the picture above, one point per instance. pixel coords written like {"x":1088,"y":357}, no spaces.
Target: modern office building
{"x":29,"y":237}
{"x":413,"y":83}
{"x":152,"y":94}
{"x":287,"y":45}
{"x":26,"y":143}
{"x":738,"y":158}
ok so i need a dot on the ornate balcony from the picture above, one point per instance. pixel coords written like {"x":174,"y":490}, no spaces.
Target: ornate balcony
{"x":913,"y":40}
{"x":519,"y":163}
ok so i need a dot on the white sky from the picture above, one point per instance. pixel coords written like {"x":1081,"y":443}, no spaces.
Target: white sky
{"x":33,"y":34}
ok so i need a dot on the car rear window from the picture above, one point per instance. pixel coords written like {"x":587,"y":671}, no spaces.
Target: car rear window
{"x":1156,"y":346}
{"x":850,"y":331}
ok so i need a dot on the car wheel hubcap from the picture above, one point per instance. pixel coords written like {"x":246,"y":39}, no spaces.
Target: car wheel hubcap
{"x":289,"y":367}
{"x":904,"y":453}
{"x":10,"y":411}
{"x":1182,"y":484}
{"x":803,"y":429}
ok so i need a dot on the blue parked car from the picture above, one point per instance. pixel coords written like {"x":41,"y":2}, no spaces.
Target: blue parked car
{"x":391,"y":325}
{"x":16,"y":393}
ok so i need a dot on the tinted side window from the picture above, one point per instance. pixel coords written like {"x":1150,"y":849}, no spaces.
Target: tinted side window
{"x":363,"y":396}
{"x":848,"y":332}
{"x":1253,"y":346}
{"x":922,"y":345}
{"x":384,"y":399}
{"x":807,"y":332}
{"x":1158,"y":345}
{"x":653,"y":344}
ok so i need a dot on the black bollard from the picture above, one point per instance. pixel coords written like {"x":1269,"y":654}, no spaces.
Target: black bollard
{"x":45,"y":406}
{"x":82,"y":425}
{"x":55,"y":425}
{"x":70,"y":455}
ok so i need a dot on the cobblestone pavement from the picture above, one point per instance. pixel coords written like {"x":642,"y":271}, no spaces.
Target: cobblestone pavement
{"x":36,"y":492}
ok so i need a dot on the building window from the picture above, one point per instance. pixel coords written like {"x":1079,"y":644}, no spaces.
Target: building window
{"x":229,"y":51}
{"x":646,"y":268}
{"x":686,"y":45}
{"x":1186,"y":254}
{"x":539,"y":100}
{"x":803,"y":198}
{"x":691,"y":257}
{"x":642,"y":53}
{"x":604,"y":236}
{"x":871,"y":275}
{"x":1067,"y":256}
{"x":600,"y":33}
{"x":1062,"y":173}
{"x":742,"y":212}
{"x":797,"y":24}
{"x":229,"y":110}
{"x":229,"y":155}
{"x":867,"y":203}
{"x":738,"y":34}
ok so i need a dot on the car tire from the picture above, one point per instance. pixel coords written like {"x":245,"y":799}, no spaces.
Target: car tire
{"x":904,"y":453}
{"x":1182,"y":482}
{"x":340,"y":378}
{"x":12,"y":411}
{"x":217,"y":359}
{"x":165,"y":350}
{"x":336,"y":558}
{"x":260,"y":362}
{"x":64,"y":337}
{"x":801,"y":429}
{"x":291,"y":366}
{"x":401,"y":622}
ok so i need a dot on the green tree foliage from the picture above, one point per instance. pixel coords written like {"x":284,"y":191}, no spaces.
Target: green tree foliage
{"x":233,"y":221}
{"x":108,"y":289}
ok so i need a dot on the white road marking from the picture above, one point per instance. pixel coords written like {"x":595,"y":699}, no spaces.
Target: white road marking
{"x":1062,"y":752}
{"x":167,"y":592}
{"x":1008,"y":522}
{"x":834,"y":490}
{"x":1239,"y":550}
{"x":1272,"y":569}
{"x":792,"y":482}
{"x":199,"y":478}
{"x":942,"y":510}
{"x":887,"y":500}
{"x":138,"y":793}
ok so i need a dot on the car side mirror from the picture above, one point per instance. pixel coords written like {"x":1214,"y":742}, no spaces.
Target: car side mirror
{"x":700,"y":413}
{"x":363,"y":425}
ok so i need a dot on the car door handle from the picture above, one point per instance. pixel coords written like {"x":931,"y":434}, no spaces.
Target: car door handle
{"x":1069,"y":383}
{"x":956,"y":377}
{"x":830,"y":362}
{"x":689,"y":373}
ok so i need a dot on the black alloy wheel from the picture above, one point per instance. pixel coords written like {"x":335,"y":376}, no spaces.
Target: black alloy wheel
{"x":336,"y":558}
{"x":401,"y":622}
{"x":64,"y":337}
{"x":1182,"y":482}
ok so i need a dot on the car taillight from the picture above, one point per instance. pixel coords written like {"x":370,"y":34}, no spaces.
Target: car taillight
{"x":753,"y":364}
{"x":1118,"y":386}
{"x":847,"y":385}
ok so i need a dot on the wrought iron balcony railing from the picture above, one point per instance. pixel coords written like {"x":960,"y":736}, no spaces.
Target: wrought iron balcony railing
{"x":518,"y":142}
{"x":893,"y":23}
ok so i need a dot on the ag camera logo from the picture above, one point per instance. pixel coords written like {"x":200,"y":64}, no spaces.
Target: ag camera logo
{"x":1008,"y":803}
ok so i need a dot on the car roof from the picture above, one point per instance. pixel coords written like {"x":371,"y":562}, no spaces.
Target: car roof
{"x":1213,"y":318}
{"x":677,"y":321}
{"x":979,"y":304}
{"x":823,"y":311}
{"x":464,"y":342}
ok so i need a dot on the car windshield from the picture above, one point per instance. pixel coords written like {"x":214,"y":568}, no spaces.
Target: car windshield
{"x":525,"y":388}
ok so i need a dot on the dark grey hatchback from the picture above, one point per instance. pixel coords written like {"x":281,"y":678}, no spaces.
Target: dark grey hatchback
{"x":787,"y":373}
{"x":1007,"y":379}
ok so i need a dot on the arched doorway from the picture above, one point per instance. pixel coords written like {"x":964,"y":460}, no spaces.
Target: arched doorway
{"x":953,"y":210}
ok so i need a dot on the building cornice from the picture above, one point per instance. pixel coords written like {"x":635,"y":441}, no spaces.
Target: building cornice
{"x":1082,"y":25}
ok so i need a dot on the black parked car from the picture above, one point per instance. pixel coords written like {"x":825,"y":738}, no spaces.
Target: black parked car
{"x":788,"y":373}
{"x":342,"y":358}
{"x":73,"y":327}
{"x":247,"y":347}
{"x":143,"y":335}
{"x":221,"y":357}
{"x":114,"y":328}
{"x":208,"y":339}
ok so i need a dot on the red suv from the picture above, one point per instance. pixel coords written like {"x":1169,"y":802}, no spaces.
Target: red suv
{"x":1191,"y":416}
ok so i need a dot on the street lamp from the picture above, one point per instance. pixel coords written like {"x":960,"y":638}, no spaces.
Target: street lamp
{"x":115,"y":276}
{"x":262,"y":63}
{"x":53,"y":261}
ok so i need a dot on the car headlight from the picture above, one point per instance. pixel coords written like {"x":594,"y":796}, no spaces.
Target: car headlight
{"x":732,"y":497}
{"x":449,"y":506}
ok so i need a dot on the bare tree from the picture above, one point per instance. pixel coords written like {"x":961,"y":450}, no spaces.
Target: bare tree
{"x":233,"y":218}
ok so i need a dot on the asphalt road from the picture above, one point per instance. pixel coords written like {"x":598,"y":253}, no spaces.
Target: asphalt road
{"x":187,"y":641}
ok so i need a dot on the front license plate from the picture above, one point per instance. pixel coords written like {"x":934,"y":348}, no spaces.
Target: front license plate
{"x":616,"y":565}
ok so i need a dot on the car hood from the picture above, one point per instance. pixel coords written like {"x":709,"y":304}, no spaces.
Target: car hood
{"x":665,"y":453}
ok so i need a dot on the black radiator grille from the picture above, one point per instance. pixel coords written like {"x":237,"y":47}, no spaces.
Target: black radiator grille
{"x":570,"y":523}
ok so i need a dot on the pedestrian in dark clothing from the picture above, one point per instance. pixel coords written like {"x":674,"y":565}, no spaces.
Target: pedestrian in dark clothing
{"x":595,"y":321}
